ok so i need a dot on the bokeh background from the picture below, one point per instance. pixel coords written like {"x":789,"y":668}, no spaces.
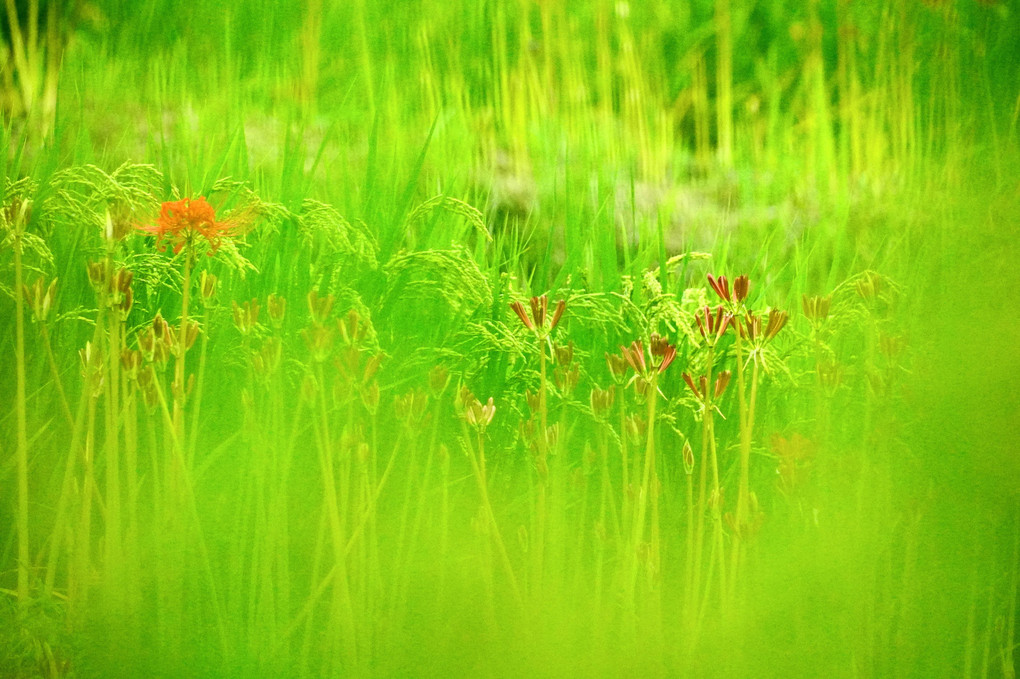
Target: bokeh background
{"x":570,"y":147}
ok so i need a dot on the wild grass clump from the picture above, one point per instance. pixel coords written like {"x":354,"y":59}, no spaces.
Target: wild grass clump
{"x":545,"y":341}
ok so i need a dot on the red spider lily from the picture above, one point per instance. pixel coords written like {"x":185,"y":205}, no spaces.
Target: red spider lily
{"x":662,"y":355}
{"x":777,"y":319}
{"x":759,"y":337}
{"x":635,"y":355}
{"x":721,"y":381}
{"x":712,"y":326}
{"x":539,"y":311}
{"x":741,"y":286}
{"x":185,"y":221}
{"x":688,"y":458}
{"x":816,"y":307}
{"x":479,"y":415}
{"x":721,"y":286}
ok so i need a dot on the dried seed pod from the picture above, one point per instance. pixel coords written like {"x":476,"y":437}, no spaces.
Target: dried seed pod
{"x":658,"y":345}
{"x":688,"y":454}
{"x":635,"y":355}
{"x":890,"y":345}
{"x":741,"y":286}
{"x":439,"y":377}
{"x":564,"y":355}
{"x":411,"y":408}
{"x":130,"y":362}
{"x":713,"y":325}
{"x":720,"y":383}
{"x":40,"y":298}
{"x":319,"y":307}
{"x":370,"y":397}
{"x":558,"y":314}
{"x":320,"y":342}
{"x":602,"y":401}
{"x":636,"y":426}
{"x":690,"y":383}
{"x":539,"y":305}
{"x":351,"y":328}
{"x":246,"y":316}
{"x":617,"y":366}
{"x":777,"y":319}
{"x":816,"y":308}
{"x":372,"y":367}
{"x":721,"y":286}
{"x":479,"y":415}
{"x":518,"y":309}
{"x":566,"y":379}
{"x":100,"y":274}
{"x":552,"y":434}
{"x":92,"y":368}
{"x":539,"y":311}
{"x":277,"y":306}
{"x":868,"y":286}
{"x":309,"y":389}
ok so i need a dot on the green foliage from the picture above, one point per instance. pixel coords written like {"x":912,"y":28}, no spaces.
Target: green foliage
{"x":310,"y":497}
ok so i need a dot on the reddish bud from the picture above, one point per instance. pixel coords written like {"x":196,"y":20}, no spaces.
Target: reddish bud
{"x":741,"y":285}
{"x":721,"y":286}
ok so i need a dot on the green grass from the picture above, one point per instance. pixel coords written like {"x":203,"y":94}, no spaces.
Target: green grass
{"x":313,"y":483}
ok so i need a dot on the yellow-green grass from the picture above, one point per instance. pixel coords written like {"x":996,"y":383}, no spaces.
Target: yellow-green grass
{"x":316,"y":485}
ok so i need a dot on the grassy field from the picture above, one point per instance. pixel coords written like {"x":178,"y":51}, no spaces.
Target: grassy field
{"x":509,"y":339}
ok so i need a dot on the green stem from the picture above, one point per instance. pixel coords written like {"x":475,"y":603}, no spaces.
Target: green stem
{"x":59,"y":525}
{"x":638,"y":529}
{"x":113,"y":556}
{"x":539,"y":537}
{"x":199,"y":383}
{"x":342,"y":604}
{"x":52,"y":360}
{"x":482,"y":481}
{"x":746,"y":427}
{"x":179,"y":373}
{"x":23,"y":553}
{"x":624,"y":462}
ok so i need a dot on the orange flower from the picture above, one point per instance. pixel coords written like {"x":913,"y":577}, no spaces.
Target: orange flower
{"x":184,"y":221}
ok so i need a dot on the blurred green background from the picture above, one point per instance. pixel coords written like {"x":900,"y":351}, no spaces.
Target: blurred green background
{"x":569,"y":147}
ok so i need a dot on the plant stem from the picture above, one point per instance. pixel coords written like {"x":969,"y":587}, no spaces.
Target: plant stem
{"x":539,"y":537}
{"x":746,"y":428}
{"x":482,"y":481}
{"x":199,"y":384}
{"x":638,"y":529}
{"x":112,"y":555}
{"x":179,"y":385}
{"x":624,"y":462}
{"x":24,"y":554}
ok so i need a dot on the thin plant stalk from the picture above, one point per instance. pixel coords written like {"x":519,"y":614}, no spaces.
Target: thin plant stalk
{"x":112,"y":540}
{"x":180,"y":387}
{"x":481,"y":479}
{"x":647,"y":480}
{"x":60,"y":527}
{"x":539,"y":537}
{"x":747,"y":415}
{"x":196,"y":407}
{"x":24,"y":553}
{"x":343,"y":612}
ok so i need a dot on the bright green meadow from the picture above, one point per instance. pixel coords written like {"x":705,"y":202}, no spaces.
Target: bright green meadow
{"x":509,"y":338}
